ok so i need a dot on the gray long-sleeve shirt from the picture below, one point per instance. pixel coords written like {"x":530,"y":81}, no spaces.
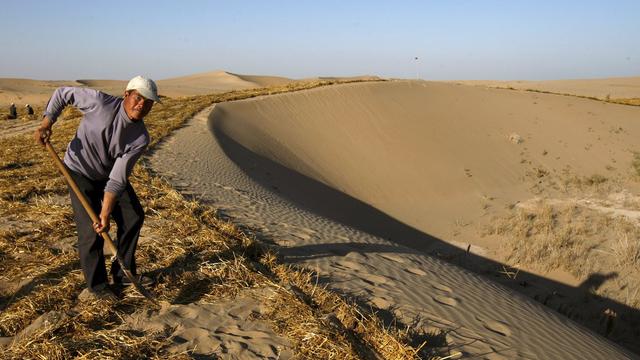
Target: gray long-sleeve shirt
{"x":107,"y":143}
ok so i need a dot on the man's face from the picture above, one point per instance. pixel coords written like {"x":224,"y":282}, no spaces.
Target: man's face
{"x":136,"y":106}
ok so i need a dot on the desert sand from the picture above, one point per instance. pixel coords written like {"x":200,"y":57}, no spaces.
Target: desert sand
{"x":380,"y":187}
{"x":621,"y":87}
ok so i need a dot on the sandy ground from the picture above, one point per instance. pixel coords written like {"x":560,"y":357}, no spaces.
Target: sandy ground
{"x":374,"y":185}
{"x":627,"y":87}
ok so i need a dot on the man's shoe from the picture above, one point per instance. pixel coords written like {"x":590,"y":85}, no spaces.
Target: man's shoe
{"x":142,"y":279}
{"x":101,"y":293}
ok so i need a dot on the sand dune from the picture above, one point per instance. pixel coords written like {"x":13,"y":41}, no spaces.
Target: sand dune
{"x":615,"y":88}
{"x":431,"y":154}
{"x":24,"y":91}
{"x":264,"y":80}
{"x":203,"y":83}
{"x":364,"y":182}
{"x":196,"y":84}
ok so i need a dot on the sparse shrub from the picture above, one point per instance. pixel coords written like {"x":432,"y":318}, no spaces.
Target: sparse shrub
{"x":595,"y":179}
{"x":626,"y":250}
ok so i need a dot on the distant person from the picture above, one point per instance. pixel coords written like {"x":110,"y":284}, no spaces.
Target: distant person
{"x":108,"y":142}
{"x":13,"y":113}
{"x":29,"y":110}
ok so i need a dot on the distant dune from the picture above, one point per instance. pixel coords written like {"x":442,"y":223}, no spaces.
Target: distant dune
{"x":615,"y":88}
{"x":23,"y":91}
{"x":203,"y":83}
{"x":196,"y":84}
{"x":264,"y":80}
{"x":359,"y":77}
{"x":26,"y":91}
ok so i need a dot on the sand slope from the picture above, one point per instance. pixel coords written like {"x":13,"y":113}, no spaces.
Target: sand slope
{"x":261,"y":80}
{"x":623,"y":87}
{"x":432,"y":154}
{"x":376,"y":157}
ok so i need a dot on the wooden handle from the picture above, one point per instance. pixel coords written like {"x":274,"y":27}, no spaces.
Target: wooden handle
{"x":80,"y":195}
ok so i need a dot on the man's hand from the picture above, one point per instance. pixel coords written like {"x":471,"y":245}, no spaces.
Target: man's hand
{"x":108,"y":202}
{"x":103,"y":225}
{"x":43,"y":132}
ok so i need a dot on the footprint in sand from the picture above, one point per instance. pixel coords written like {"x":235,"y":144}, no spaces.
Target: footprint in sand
{"x":445,"y":300}
{"x":395,"y":258}
{"x":234,"y":330}
{"x":442,"y":287}
{"x":415,"y":271}
{"x":374,"y":279}
{"x":301,"y":235}
{"x":353,"y":255}
{"x":350,"y":265}
{"x":497,"y":327}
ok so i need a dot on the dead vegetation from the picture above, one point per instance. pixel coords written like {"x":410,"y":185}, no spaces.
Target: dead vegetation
{"x":195,"y":256}
{"x":608,"y":98}
{"x":595,"y":241}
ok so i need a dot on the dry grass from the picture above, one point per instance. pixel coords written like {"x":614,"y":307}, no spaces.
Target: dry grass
{"x":22,"y":113}
{"x":630,"y":101}
{"x":622,"y":101}
{"x":602,"y":249}
{"x":194,"y":255}
{"x":595,"y":183}
{"x":549,"y":236}
{"x":570,"y":236}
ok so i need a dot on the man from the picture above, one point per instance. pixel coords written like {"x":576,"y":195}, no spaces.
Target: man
{"x":13,"y":113}
{"x":29,"y":109}
{"x":110,"y":139}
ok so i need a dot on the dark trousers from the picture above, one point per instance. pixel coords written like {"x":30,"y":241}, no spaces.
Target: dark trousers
{"x":128,"y":215}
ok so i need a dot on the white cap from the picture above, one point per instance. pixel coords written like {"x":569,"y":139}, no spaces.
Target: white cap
{"x":146,"y":87}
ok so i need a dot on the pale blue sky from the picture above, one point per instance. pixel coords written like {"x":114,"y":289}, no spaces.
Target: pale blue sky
{"x":453,"y":39}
